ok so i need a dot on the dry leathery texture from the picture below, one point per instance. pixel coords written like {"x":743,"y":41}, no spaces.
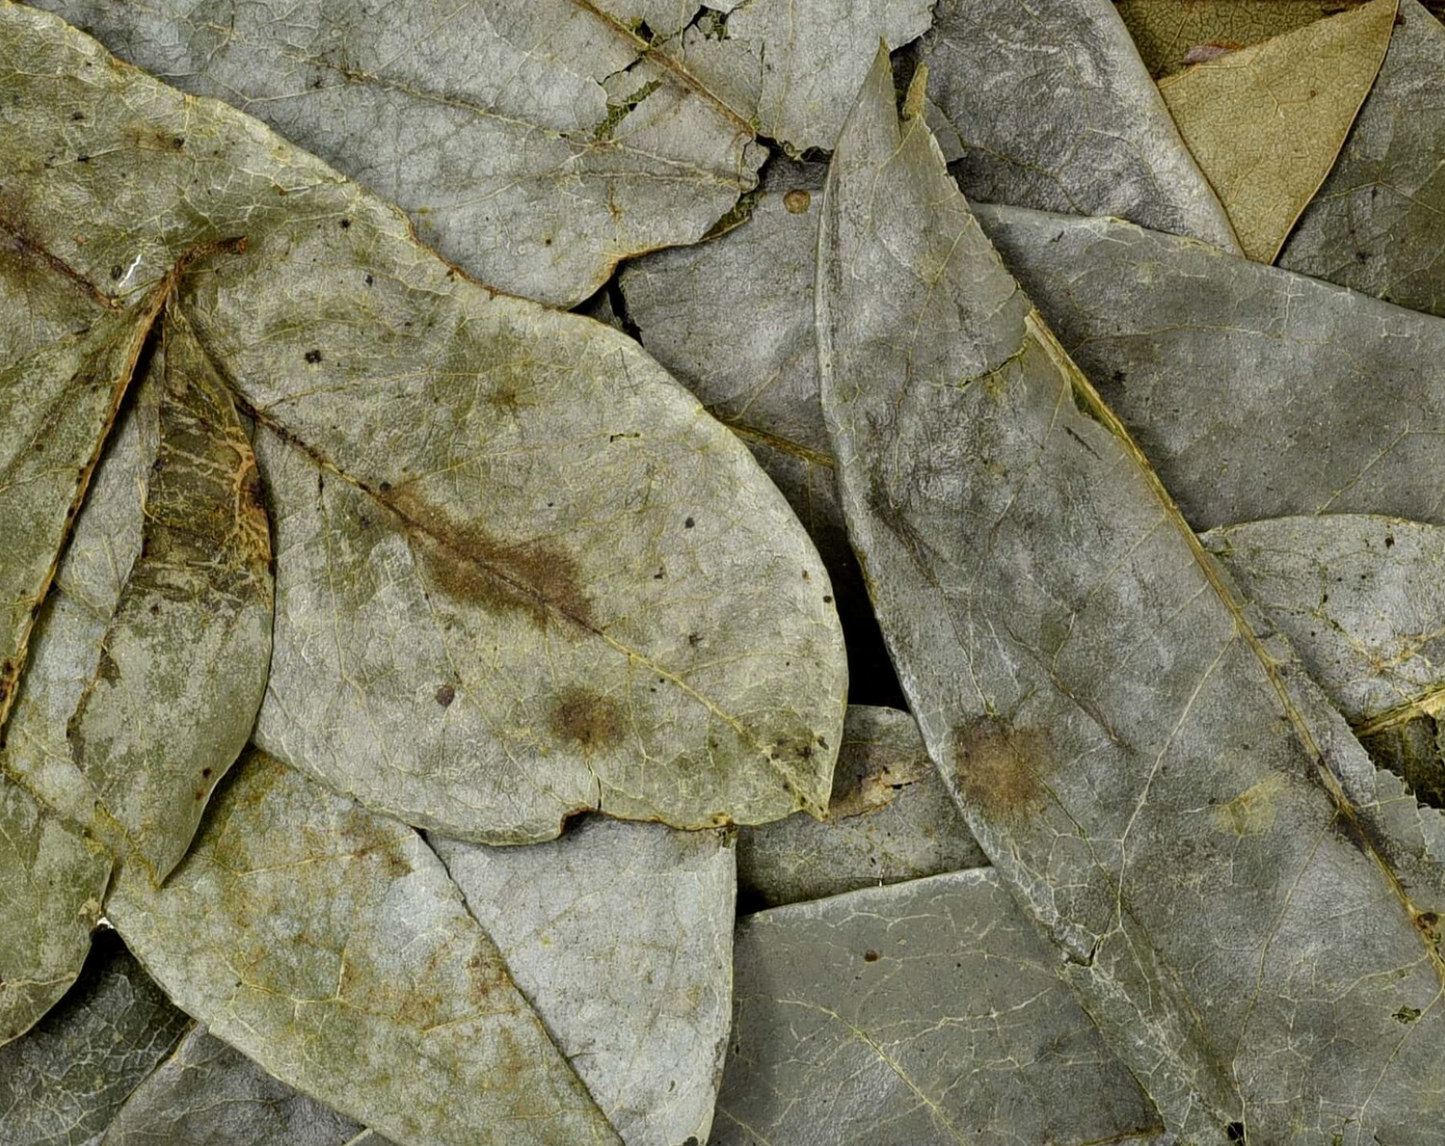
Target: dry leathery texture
{"x":620,"y":935}
{"x":328,"y":944}
{"x":791,"y":67}
{"x":1375,"y":223}
{"x":500,"y":483}
{"x":207,"y":1093}
{"x":753,"y":362}
{"x":52,"y":880}
{"x":1255,"y":393}
{"x":56,"y":408}
{"x":926,"y":1012}
{"x":1360,"y":598}
{"x":1267,"y":121}
{"x":63,"y":1082}
{"x":540,"y":143}
{"x":1172,"y":34}
{"x":1053,"y":109}
{"x":1235,"y":894}
{"x":183,"y":665}
{"x":891,"y":819}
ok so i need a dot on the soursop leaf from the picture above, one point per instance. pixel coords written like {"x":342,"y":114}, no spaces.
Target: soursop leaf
{"x":1173,"y":34}
{"x":1166,"y":797}
{"x":467,"y":635}
{"x":1267,"y":122}
{"x":621,"y":937}
{"x":1049,"y":106}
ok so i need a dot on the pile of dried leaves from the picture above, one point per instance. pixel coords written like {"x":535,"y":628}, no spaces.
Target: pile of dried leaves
{"x":406,"y":683}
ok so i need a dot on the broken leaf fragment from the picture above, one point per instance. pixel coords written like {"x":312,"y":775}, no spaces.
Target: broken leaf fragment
{"x":1267,"y":121}
{"x":329,"y":945}
{"x":1051,"y":108}
{"x":620,"y":935}
{"x":468,"y":634}
{"x":936,"y":1006}
{"x":1095,"y":694}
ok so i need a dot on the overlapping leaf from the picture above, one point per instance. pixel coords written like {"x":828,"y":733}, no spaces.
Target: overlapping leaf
{"x":1172,"y":34}
{"x":1170,"y":803}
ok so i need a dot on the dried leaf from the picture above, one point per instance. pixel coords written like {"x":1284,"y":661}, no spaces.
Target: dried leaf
{"x":621,"y":937}
{"x":1255,"y":393}
{"x":1168,"y":32}
{"x":468,"y":636}
{"x":63,"y":1082}
{"x":1053,"y":109}
{"x":1266,"y":122}
{"x":1374,"y":225}
{"x":329,"y":945}
{"x":1166,"y":795}
{"x":52,"y":880}
{"x":209,"y":1094}
{"x":890,"y":819}
{"x":936,"y":1006}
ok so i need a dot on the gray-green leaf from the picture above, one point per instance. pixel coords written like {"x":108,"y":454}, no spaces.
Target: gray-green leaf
{"x":1233,"y":892}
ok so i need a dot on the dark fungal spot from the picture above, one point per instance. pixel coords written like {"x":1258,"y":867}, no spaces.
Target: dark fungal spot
{"x":827,"y":598}
{"x":205,"y":773}
{"x":1389,"y":541}
{"x":997,"y":767}
{"x":445,"y":695}
{"x":313,"y":356}
{"x":693,"y":639}
{"x":539,"y":579}
{"x":585,"y":718}
{"x":689,"y":523}
{"x":77,"y":116}
{"x":369,"y":279}
{"x":870,"y":956}
{"x":345,"y":224}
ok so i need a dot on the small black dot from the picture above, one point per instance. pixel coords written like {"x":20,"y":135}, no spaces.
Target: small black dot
{"x":1235,"y":1131}
{"x":345,"y":223}
{"x":827,"y":598}
{"x":313,"y":356}
{"x":870,"y":956}
{"x":369,"y":280}
{"x":1389,"y":541}
{"x":689,"y":523}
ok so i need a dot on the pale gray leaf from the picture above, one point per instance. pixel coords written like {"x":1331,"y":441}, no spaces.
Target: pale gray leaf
{"x":1055,"y":110}
{"x":209,"y":1094}
{"x":63,"y":1082}
{"x":1245,"y":908}
{"x":519,"y":572}
{"x":890,"y":819}
{"x":1375,"y":223}
{"x":328,"y":944}
{"x":924,"y":1013}
{"x":621,"y":937}
{"x":1255,"y":392}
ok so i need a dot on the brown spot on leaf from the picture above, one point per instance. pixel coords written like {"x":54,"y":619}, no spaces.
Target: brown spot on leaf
{"x":445,"y":695}
{"x":587,"y":719}
{"x":797,"y":202}
{"x":870,"y":956}
{"x":997,"y":767}
{"x":540,"y":579}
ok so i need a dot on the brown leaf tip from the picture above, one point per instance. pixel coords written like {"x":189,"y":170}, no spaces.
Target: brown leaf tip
{"x":996,"y":767}
{"x":587,"y":719}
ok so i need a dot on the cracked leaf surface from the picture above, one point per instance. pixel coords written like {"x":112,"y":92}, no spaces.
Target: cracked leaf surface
{"x":621,"y":937}
{"x":329,"y":945}
{"x":936,"y":1006}
{"x":473,"y":497}
{"x":1266,"y":122}
{"x":1165,"y":794}
{"x":63,"y":1082}
{"x":1053,"y":109}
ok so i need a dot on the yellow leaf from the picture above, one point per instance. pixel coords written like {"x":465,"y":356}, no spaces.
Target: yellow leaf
{"x":1266,"y":122}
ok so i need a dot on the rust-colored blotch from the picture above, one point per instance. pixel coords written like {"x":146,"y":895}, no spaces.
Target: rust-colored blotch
{"x":586,"y":718}
{"x":997,"y":767}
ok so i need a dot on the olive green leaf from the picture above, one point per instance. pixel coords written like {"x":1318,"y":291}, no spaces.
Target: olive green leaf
{"x":63,"y":1082}
{"x":890,"y":819}
{"x":52,"y":880}
{"x":207,"y":1093}
{"x":56,"y":408}
{"x":1374,"y":225}
{"x":534,"y":144}
{"x":1164,"y":792}
{"x":1266,"y":122}
{"x":621,"y":936}
{"x":1360,"y":598}
{"x":329,"y":945}
{"x":1255,"y":393}
{"x":937,"y":1007}
{"x":1052,"y":108}
{"x":183,"y":666}
{"x":1172,"y":34}
{"x":519,"y":571}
